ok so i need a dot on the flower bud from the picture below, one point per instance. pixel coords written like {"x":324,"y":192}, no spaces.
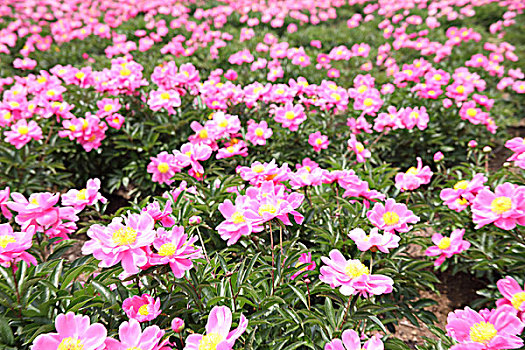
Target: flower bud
{"x":487,"y":149}
{"x":177,"y":324}
{"x":195,"y":220}
{"x":472,"y":144}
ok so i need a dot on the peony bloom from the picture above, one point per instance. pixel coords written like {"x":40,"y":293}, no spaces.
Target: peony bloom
{"x":306,"y":264}
{"x":392,"y":216}
{"x":142,"y":308}
{"x":4,"y":197}
{"x":23,"y":132}
{"x":414,"y":177}
{"x":74,"y":332}
{"x":374,"y":241}
{"x":290,"y":116}
{"x":164,"y":99}
{"x":513,"y":295}
{"x":177,"y":325}
{"x":241,"y":219}
{"x":318,"y":141}
{"x":360,"y":151}
{"x":463,"y":193}
{"x":79,"y":199}
{"x":218,"y":334}
{"x":132,"y":337}
{"x":122,"y":242}
{"x":487,"y":330}
{"x":438,"y":156}
{"x":191,"y":154}
{"x":258,"y":133}
{"x":176,"y":249}
{"x":505,"y":207}
{"x":446,"y":247}
{"x":13,"y":245}
{"x":352,"y":276}
{"x":352,"y":341}
{"x":163,"y":167}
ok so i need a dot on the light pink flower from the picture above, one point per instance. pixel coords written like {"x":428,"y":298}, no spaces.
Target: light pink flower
{"x":487,"y":330}
{"x":87,"y":196}
{"x":374,"y":240}
{"x":505,"y":207}
{"x":513,"y":295}
{"x":163,"y":167}
{"x":4,"y":198}
{"x":218,"y":334}
{"x":132,"y":337}
{"x":122,"y":242}
{"x":318,"y":141}
{"x":392,"y":216}
{"x":241,"y":219}
{"x":74,"y":332}
{"x":360,"y":151}
{"x":446,"y":247}
{"x":290,"y":116}
{"x":13,"y":246}
{"x":142,"y":308}
{"x":258,"y":133}
{"x":191,"y":154}
{"x":414,"y":177}
{"x":352,"y":341}
{"x":352,"y":276}
{"x":23,"y":132}
{"x":463,"y":193}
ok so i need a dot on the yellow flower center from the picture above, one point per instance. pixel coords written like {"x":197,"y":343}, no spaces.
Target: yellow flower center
{"x":124,"y":236}
{"x":279,"y":91}
{"x":460,"y":89}
{"x":390,"y":218}
{"x":80,"y":75}
{"x":437,"y":77}
{"x":108,"y":108}
{"x":501,"y":205}
{"x":165,"y":96}
{"x":143,"y":310}
{"x":259,"y":168}
{"x":408,"y":72}
{"x":223,"y":123}
{"x":259,"y":132}
{"x":7,"y":116}
{"x":72,"y":127}
{"x":70,"y":343}
{"x":6,"y":239}
{"x":335,"y":96}
{"x":355,"y":268}
{"x":81,"y":195}
{"x":133,"y":348}
{"x":23,"y":130}
{"x":412,"y":171}
{"x":14,"y":104}
{"x":210,"y":341}
{"x":471,"y":112}
{"x":319,"y":141}
{"x":41,"y":80}
{"x":368,"y":102}
{"x":237,"y":218}
{"x":414,"y":115}
{"x":461,"y":201}
{"x":289,"y":115}
{"x":362,"y":89}
{"x":50,"y":93}
{"x":461,"y":185}
{"x":163,"y":168}
{"x":359,"y":147}
{"x":444,"y":243}
{"x":125,"y":72}
{"x":203,"y":134}
{"x":482,"y":332}
{"x":517,"y":299}
{"x":34,"y":201}
{"x":167,"y":249}
{"x":267,"y":208}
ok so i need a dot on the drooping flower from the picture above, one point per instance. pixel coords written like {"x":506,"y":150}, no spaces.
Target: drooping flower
{"x":487,"y":330}
{"x":392,"y":216}
{"x":218,"y":335}
{"x":73,"y":332}
{"x":352,"y":276}
{"x":352,"y":341}
{"x":505,"y":207}
{"x":374,"y":240}
{"x":142,"y":308}
{"x":446,"y":247}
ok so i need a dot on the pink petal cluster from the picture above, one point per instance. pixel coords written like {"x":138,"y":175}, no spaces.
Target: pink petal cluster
{"x":79,"y":199}
{"x":14,"y":246}
{"x":463,"y":193}
{"x":446,"y":247}
{"x":306,"y":264}
{"x":513,"y":294}
{"x":142,"y":308}
{"x":131,"y":336}
{"x":392,"y":216}
{"x":350,"y":340}
{"x":517,"y":145}
{"x":318,"y":141}
{"x":374,"y":241}
{"x":414,"y":177}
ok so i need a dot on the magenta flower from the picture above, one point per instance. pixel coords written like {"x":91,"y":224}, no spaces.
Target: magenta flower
{"x":306,"y":264}
{"x":191,"y":154}
{"x":79,"y":199}
{"x":74,"y":332}
{"x":513,"y":295}
{"x":290,"y":116}
{"x":132,"y":337}
{"x":177,"y":325}
{"x":352,"y":341}
{"x":241,"y":219}
{"x":352,"y":276}
{"x":122,"y":242}
{"x":392,"y":216}
{"x":142,"y":308}
{"x":23,"y":132}
{"x":164,"y":99}
{"x":487,"y":330}
{"x":258,"y":133}
{"x":163,"y":167}
{"x":414,"y":177}
{"x":318,"y":141}
{"x":164,"y":215}
{"x":505,"y":207}
{"x":446,"y":247}
{"x":374,"y":240}
{"x":176,"y":249}
{"x":438,"y":156}
{"x":359,"y":149}
{"x":13,"y":246}
{"x":218,"y":334}
{"x":463,"y":193}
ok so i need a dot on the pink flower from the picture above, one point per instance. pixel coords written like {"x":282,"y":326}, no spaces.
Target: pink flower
{"x":122,"y":242}
{"x":290,"y":116}
{"x":234,"y":148}
{"x":176,"y":249}
{"x":258,"y":173}
{"x":513,"y":295}
{"x":164,"y":99}
{"x":414,"y":177}
{"x":191,"y":154}
{"x":318,"y":141}
{"x":23,"y":132}
{"x":505,"y":207}
{"x":177,"y":325}
{"x":258,"y":133}
{"x":142,"y":308}
{"x":463,"y":193}
{"x":164,"y":215}
{"x":4,"y":197}
{"x":352,"y":341}
{"x":446,"y":247}
{"x":13,"y":246}
{"x":352,"y":276}
{"x":392,"y":216}
{"x":87,"y":196}
{"x":132,"y":337}
{"x":360,"y":151}
{"x":306,"y":264}
{"x":241,"y":219}
{"x":438,"y":156}
{"x":472,"y":143}
{"x":163,"y":167}
{"x":487,"y":330}
{"x":374,"y":241}
{"x":218,"y":334}
{"x":74,"y":332}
